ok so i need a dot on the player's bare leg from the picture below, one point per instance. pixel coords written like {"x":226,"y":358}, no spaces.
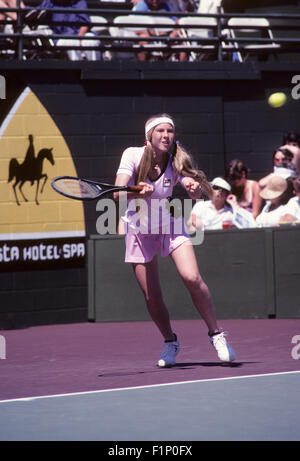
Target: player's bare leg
{"x":148,"y":279}
{"x":187,"y":266}
{"x":186,"y":263}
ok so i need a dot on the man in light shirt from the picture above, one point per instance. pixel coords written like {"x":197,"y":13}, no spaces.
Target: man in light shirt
{"x":220,"y":212}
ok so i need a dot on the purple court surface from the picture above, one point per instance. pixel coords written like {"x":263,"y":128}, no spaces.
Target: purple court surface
{"x":79,"y":380}
{"x":61,"y":359}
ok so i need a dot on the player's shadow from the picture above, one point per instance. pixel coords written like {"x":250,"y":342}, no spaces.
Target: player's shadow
{"x":180,"y":365}
{"x":187,"y":365}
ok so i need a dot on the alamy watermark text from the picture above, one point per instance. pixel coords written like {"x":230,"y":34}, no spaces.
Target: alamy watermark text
{"x":2,"y":87}
{"x":2,"y":347}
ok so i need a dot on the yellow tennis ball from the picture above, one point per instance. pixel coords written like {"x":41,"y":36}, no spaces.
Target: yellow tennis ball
{"x":277,"y":99}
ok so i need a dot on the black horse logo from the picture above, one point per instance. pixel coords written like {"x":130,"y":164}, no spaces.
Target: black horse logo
{"x":30,"y":170}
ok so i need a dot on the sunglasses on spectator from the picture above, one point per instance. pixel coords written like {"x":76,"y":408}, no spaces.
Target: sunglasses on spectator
{"x":217,"y":188}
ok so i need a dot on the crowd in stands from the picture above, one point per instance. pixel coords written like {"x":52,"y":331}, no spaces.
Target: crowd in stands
{"x":34,"y":19}
{"x":81,"y":29}
{"x":181,"y":35}
{"x":48,"y":22}
{"x":239,"y":202}
{"x":85,"y":33}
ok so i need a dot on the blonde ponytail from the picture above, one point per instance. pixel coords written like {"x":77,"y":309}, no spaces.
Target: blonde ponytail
{"x":144,"y":167}
{"x":183,"y":164}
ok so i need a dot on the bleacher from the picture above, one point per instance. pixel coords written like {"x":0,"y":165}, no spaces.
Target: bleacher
{"x":221,"y":35}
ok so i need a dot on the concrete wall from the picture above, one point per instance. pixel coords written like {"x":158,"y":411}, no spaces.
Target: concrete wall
{"x":251,"y":274}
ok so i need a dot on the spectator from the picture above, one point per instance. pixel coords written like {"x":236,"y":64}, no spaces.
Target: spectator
{"x":286,"y":163}
{"x":9,"y":14}
{"x":277,"y":193}
{"x":78,"y":30}
{"x":218,"y":213}
{"x":281,"y":166}
{"x":182,"y":6}
{"x":245,"y":192}
{"x":291,"y":138}
{"x":293,"y":156}
{"x":292,"y":211}
{"x":152,"y":5}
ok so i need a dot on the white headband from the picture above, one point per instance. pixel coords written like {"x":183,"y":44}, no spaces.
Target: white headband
{"x":157,"y":121}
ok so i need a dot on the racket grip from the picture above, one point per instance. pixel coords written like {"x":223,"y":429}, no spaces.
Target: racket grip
{"x":135,"y":188}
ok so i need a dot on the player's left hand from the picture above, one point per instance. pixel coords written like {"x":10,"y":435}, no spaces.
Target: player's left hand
{"x":192,"y":187}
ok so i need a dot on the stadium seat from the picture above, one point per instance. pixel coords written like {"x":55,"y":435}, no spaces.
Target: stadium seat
{"x":251,"y":26}
{"x":187,"y":30}
{"x":121,"y":33}
{"x":99,"y":24}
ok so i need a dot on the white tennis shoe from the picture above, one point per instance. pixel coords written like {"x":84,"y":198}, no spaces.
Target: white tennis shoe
{"x":168,"y":355}
{"x":223,"y":348}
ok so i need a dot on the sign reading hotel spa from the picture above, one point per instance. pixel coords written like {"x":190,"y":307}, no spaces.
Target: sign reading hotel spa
{"x":42,"y":254}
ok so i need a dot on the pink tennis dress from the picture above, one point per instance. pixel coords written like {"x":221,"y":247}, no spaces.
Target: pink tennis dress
{"x":150,"y":227}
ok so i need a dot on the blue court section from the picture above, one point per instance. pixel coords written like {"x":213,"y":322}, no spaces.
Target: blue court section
{"x":248,"y":408}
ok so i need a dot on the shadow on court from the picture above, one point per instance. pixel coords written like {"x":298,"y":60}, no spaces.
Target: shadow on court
{"x":210,"y":364}
{"x":182,"y":366}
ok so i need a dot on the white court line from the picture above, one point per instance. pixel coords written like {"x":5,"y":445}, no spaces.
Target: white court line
{"x":149,"y":386}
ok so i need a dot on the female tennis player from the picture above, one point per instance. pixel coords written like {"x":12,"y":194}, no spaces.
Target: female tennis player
{"x":150,"y":229}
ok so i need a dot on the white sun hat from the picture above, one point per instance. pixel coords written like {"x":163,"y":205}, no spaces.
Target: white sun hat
{"x":220,"y":182}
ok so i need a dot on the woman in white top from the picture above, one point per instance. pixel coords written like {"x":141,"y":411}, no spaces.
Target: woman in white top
{"x":246,"y":191}
{"x":276,"y":193}
{"x":158,"y":166}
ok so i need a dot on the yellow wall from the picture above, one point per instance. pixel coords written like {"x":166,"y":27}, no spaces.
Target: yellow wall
{"x":54,"y":214}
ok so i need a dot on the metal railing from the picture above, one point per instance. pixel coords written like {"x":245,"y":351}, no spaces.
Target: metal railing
{"x":26,"y":41}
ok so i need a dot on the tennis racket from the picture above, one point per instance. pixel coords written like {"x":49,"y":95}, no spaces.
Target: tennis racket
{"x":85,"y":189}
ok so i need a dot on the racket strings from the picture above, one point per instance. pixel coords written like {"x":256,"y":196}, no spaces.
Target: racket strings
{"x":77,"y":188}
